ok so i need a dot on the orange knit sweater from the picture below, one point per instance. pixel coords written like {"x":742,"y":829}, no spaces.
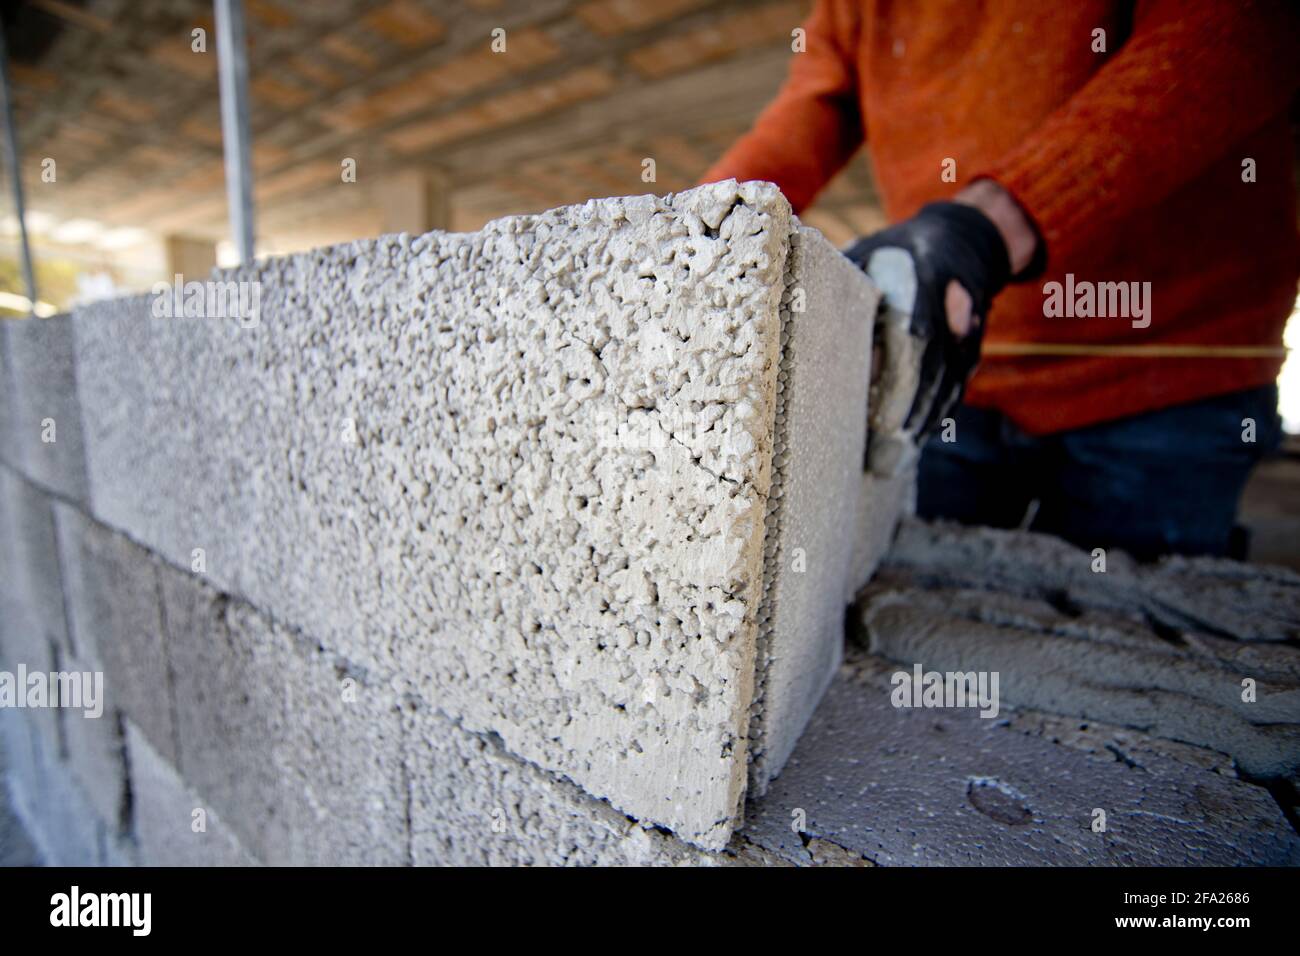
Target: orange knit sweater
{"x":1132,"y":162}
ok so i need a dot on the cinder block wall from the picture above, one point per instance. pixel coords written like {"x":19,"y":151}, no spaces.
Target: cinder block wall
{"x":522,"y":546}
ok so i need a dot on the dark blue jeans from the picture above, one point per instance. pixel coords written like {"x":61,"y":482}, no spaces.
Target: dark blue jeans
{"x":1165,"y":482}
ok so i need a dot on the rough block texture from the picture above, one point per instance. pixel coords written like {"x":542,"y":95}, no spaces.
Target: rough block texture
{"x":33,"y":589}
{"x":528,"y":469}
{"x":164,"y":820}
{"x":33,"y":632}
{"x":472,"y":804}
{"x":95,"y":752}
{"x":43,"y":390}
{"x":294,"y":748}
{"x":115,"y":613}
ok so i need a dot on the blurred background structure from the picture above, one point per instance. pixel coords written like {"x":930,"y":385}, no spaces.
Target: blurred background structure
{"x":441,"y":132}
{"x":374,"y":116}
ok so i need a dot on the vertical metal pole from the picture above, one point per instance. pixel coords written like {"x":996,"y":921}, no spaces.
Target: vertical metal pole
{"x":15,"y":169}
{"x":232,"y":64}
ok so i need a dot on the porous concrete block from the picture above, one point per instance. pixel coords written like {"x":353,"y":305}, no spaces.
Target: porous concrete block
{"x":161,"y":440}
{"x":45,"y":413}
{"x":820,"y":437}
{"x":114,"y":608}
{"x":34,"y":583}
{"x":531,"y":469}
{"x":473,"y":804}
{"x":95,"y":751}
{"x":172,"y":825}
{"x":882,"y":501}
{"x":340,"y":763}
{"x":33,"y":633}
{"x":8,"y":451}
{"x":224,"y":670}
{"x":298,"y":751}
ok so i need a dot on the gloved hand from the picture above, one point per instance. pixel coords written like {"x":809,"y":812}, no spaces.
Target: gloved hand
{"x":923,"y":364}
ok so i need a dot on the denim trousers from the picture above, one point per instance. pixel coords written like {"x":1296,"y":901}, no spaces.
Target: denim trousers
{"x":1163,"y":482}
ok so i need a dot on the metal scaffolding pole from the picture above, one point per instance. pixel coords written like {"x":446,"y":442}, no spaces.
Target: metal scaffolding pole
{"x":232,"y":64}
{"x":15,"y":169}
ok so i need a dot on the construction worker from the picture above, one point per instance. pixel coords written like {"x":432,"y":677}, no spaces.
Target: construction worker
{"x":1095,"y":202}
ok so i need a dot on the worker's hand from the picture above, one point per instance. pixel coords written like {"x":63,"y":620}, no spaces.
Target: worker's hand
{"x":938,"y":272}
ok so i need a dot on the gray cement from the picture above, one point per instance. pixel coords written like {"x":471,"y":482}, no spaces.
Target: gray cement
{"x":1249,"y":603}
{"x":1064,"y":640}
{"x":875,"y":784}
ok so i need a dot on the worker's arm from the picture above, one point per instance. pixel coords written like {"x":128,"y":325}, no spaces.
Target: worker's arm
{"x":1194,"y":76}
{"x":815,"y":123}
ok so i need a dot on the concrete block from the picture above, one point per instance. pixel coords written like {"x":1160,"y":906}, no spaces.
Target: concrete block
{"x":45,"y":414}
{"x":33,"y":633}
{"x":173,"y":826}
{"x":56,"y":812}
{"x":530,"y":469}
{"x":296,"y":750}
{"x":225,"y":672}
{"x":8,"y":450}
{"x":882,"y":501}
{"x":473,"y":804}
{"x":95,"y":752}
{"x":31,"y":556}
{"x":16,"y":846}
{"x":340,"y":763}
{"x":820,"y":438}
{"x":195,"y":511}
{"x":115,"y":616}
